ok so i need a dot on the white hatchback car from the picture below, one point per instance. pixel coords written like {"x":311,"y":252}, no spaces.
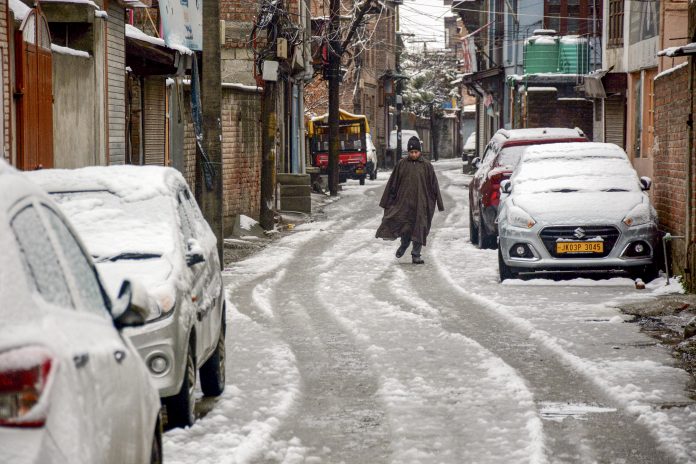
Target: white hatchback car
{"x":72,"y":389}
{"x":142,"y":222}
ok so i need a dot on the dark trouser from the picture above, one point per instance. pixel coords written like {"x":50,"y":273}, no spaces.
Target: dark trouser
{"x":406,"y":241}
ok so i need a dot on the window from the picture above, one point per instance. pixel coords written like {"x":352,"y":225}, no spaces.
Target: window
{"x":616,"y":23}
{"x":41,"y":263}
{"x":568,"y":17}
{"x":88,"y":287}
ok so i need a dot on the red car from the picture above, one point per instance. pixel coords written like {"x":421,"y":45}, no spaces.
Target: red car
{"x":499,"y":160}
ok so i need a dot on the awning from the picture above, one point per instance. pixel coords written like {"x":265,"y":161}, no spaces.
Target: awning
{"x":683,"y":50}
{"x":593,"y":86}
{"x":483,"y":82}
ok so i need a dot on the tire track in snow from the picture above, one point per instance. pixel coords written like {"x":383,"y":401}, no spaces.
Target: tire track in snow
{"x":548,"y":369}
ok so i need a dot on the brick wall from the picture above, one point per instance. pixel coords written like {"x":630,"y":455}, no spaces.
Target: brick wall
{"x":241,"y":154}
{"x":545,"y":110}
{"x":6,"y":98}
{"x":671,"y":113}
{"x":670,"y":153}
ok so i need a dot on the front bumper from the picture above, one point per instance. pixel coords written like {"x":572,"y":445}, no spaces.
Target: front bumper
{"x":167,"y":339}
{"x":541,"y":259}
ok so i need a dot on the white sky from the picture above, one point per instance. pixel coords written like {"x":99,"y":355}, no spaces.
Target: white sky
{"x":425,"y":18}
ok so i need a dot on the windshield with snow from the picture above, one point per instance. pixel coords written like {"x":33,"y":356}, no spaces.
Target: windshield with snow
{"x":114,"y":229}
{"x":510,"y":156}
{"x":563,"y":175}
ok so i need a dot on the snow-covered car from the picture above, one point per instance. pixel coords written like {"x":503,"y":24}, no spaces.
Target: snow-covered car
{"x":142,"y":222}
{"x":576,"y":206}
{"x":371,"y":157}
{"x":469,"y":153}
{"x":500,"y":157}
{"x":72,"y":389}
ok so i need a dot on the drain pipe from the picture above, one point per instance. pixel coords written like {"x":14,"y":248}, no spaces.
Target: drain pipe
{"x":689,"y":164}
{"x":666,"y":238}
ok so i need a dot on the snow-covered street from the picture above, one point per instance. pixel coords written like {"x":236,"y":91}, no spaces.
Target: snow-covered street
{"x":339,"y":352}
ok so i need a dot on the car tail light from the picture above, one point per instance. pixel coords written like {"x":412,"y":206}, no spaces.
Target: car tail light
{"x":24,"y":378}
{"x":495,"y":177}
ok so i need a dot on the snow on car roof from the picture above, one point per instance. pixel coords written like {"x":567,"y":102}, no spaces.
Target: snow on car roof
{"x":541,"y":133}
{"x":572,"y":150}
{"x":132,"y":183}
{"x":588,"y":173}
{"x":120,"y":210}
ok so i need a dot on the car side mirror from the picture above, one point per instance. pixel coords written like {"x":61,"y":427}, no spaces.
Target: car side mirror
{"x":131,"y":308}
{"x":194,"y":254}
{"x":645,"y":183}
{"x":475,"y":162}
{"x":506,"y":186}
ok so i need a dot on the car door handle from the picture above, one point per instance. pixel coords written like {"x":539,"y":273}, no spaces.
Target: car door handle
{"x":119,"y":356}
{"x":81,"y":360}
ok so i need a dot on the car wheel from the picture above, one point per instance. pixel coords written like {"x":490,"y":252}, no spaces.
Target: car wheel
{"x":473,"y":230}
{"x":156,"y":450}
{"x":504,"y":270}
{"x":213,"y":371}
{"x":181,"y":407}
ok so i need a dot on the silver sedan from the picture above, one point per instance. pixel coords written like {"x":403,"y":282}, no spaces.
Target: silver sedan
{"x":584,"y":210}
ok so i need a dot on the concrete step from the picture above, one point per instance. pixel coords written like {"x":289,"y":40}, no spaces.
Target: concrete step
{"x":302,"y":204}
{"x":295,"y":190}
{"x":293,"y":179}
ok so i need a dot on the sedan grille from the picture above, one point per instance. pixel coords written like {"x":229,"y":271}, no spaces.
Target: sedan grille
{"x":550,"y":235}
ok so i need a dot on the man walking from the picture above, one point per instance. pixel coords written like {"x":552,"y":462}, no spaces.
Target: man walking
{"x":409,"y":202}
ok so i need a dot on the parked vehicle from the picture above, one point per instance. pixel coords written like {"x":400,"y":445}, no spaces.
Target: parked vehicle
{"x":499,"y":159}
{"x":142,"y":221}
{"x":371,"y":157}
{"x":353,"y":149}
{"x":577,"y":207}
{"x":469,"y":153}
{"x":406,"y":134}
{"x":72,"y":389}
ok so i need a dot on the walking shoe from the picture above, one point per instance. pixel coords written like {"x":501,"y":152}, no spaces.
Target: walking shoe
{"x":417,"y":260}
{"x":400,"y":251}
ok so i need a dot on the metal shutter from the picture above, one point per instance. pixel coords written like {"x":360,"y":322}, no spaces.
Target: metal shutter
{"x":154,"y":121}
{"x":615,"y":121}
{"x":116,"y":68}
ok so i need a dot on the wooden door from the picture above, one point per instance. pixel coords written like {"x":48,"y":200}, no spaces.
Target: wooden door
{"x":34,"y":80}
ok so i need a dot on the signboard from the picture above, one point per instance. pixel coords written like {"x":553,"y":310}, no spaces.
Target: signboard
{"x":182,"y":21}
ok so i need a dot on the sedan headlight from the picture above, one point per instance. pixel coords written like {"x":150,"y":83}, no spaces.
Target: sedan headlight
{"x":639,"y":215}
{"x":518,"y":217}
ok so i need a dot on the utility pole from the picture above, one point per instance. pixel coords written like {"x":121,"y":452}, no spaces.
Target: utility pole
{"x":211,"y":93}
{"x":269,"y":124}
{"x":333,"y":77}
{"x":399,"y":89}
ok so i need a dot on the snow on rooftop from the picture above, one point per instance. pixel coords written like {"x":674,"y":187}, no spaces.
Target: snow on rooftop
{"x":84,"y":2}
{"x":687,"y":49}
{"x":542,"y":89}
{"x":669,"y":71}
{"x":19,"y":9}
{"x":135,"y":33}
{"x":69,"y":51}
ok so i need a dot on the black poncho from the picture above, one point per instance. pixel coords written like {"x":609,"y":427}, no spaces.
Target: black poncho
{"x":409,"y":201}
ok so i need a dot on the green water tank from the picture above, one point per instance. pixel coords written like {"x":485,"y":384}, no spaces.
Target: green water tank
{"x":541,"y":54}
{"x":574,"y":55}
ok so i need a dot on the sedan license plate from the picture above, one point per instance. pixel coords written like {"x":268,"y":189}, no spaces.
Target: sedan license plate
{"x":579,"y":247}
